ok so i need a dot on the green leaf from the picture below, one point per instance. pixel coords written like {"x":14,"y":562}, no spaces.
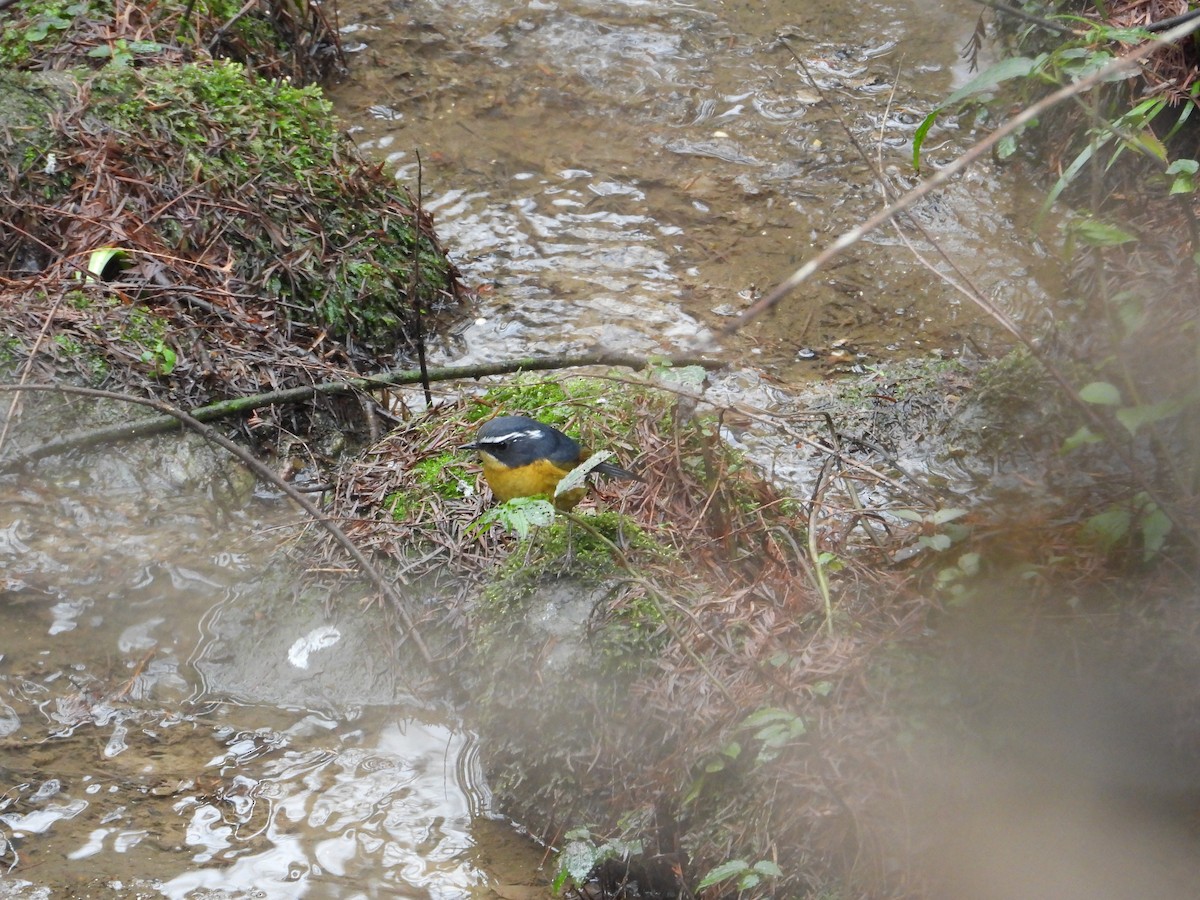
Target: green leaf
{"x":1183,"y":176}
{"x":1005,"y":70}
{"x":1147,"y":141}
{"x":942,"y":516}
{"x":938,"y":542}
{"x":1155,"y":528}
{"x":919,"y":137}
{"x":689,"y":376}
{"x":1007,"y":146}
{"x":577,"y":860}
{"x":1095,"y":233}
{"x":1134,"y":417}
{"x":1100,"y":393}
{"x":968,"y":564}
{"x":519,"y":515}
{"x":1108,"y":528}
{"x":1068,"y":175}
{"x":768,"y":868}
{"x":1081,"y":437}
{"x":578,"y":475}
{"x":767,"y":715}
{"x":723,"y":872}
{"x":100,"y":258}
{"x":908,"y":515}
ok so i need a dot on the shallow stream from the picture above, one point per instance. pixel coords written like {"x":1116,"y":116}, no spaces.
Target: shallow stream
{"x":178,"y":717}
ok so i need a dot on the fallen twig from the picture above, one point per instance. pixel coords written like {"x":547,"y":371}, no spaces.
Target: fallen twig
{"x":225,"y":408}
{"x":262,"y":471}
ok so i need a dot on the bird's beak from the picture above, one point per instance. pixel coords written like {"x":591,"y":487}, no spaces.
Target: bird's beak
{"x":470,"y":446}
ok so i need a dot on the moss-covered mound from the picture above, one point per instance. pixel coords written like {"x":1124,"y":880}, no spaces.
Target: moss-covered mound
{"x":673,"y":672}
{"x":188,"y":226}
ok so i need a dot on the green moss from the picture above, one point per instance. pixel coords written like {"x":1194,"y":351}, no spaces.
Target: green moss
{"x":274,"y":148}
{"x":399,"y":505}
{"x":583,"y":407}
{"x":584,"y":556}
{"x":444,"y":476}
{"x":263,"y":128}
{"x":43,"y":26}
{"x":93,"y":364}
{"x":68,"y":344}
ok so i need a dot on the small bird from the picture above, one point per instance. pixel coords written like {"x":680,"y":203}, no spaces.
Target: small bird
{"x":523,"y":457}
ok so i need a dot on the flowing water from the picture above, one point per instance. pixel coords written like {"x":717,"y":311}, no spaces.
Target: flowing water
{"x":178,"y":715}
{"x":631,"y":175}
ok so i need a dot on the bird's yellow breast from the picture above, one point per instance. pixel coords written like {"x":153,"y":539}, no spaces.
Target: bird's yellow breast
{"x":538,"y":478}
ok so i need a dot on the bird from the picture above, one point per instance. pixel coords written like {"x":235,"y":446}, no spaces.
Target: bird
{"x":523,"y":457}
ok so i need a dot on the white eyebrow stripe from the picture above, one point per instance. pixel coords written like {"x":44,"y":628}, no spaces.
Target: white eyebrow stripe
{"x":501,"y":438}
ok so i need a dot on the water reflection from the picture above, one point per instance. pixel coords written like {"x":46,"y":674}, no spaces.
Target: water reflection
{"x":623,"y":174}
{"x":181,"y":718}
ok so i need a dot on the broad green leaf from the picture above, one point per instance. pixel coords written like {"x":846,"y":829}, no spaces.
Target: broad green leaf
{"x":723,"y":872}
{"x":1100,"y":393}
{"x":1095,"y":233}
{"x":942,"y":516}
{"x":1005,"y":70}
{"x":1108,"y":528}
{"x":578,"y":475}
{"x":1183,"y":184}
{"x":520,"y":515}
{"x":937,"y":542}
{"x":1155,"y":528}
{"x":767,"y":868}
{"x":1134,"y":417}
{"x":577,"y":860}
{"x":908,"y":515}
{"x":1183,"y":176}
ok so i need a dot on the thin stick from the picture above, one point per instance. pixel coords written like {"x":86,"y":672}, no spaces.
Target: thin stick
{"x":414,"y":292}
{"x":236,"y":406}
{"x":264,"y":472}
{"x":941,"y":176}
